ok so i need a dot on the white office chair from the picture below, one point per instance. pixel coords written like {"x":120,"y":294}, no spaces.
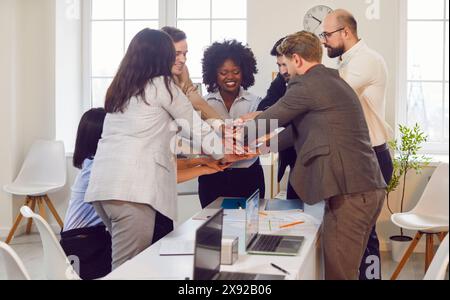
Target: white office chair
{"x":13,"y":265}
{"x":429,"y":216}
{"x":56,"y":263}
{"x":43,"y":172}
{"x":439,"y":265}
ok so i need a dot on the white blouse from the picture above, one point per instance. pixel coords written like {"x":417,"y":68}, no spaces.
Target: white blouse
{"x":135,"y":161}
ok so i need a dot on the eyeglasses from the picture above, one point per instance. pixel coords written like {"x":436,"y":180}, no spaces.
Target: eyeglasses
{"x":324,"y":35}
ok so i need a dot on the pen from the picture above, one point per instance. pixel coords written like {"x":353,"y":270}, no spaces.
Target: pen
{"x":270,"y":225}
{"x":292,"y":224}
{"x":280,"y":268}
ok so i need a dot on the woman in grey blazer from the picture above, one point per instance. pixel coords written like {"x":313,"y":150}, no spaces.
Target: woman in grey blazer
{"x":134,"y":172}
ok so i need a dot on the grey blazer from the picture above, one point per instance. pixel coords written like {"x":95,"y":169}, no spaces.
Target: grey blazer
{"x":135,"y":161}
{"x":330,"y":135}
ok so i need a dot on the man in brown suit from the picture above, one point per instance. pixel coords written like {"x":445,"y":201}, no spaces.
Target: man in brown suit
{"x":335,"y":162}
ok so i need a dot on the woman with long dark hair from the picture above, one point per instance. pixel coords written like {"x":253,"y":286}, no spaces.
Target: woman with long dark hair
{"x":134,"y":172}
{"x":84,"y":235}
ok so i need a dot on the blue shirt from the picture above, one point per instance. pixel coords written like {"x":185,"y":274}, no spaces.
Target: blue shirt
{"x":81,"y":214}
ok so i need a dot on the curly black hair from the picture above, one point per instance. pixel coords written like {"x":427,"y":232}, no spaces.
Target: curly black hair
{"x":216,"y":54}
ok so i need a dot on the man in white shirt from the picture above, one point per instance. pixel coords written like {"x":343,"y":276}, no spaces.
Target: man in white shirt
{"x":365,"y":71}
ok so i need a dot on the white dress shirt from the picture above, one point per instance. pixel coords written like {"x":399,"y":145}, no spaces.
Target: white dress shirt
{"x":245,"y":103}
{"x":366,"y":72}
{"x":135,"y":160}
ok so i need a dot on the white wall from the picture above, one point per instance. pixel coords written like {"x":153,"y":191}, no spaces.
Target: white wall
{"x":27,"y":88}
{"x":8,"y":104}
{"x":269,"y":20}
{"x":33,"y":76}
{"x":68,"y":64}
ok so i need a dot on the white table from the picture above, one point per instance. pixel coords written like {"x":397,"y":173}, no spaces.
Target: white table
{"x":307,"y":265}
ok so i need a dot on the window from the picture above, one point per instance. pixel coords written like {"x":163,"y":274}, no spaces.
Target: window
{"x":113,"y":23}
{"x":427,"y":88}
{"x":98,"y":41}
{"x":207,"y":21}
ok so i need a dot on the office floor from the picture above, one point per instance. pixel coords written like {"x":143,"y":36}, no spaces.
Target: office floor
{"x":29,"y":248}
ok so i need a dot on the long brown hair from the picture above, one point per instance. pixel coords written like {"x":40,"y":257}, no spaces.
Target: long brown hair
{"x":151,"y":54}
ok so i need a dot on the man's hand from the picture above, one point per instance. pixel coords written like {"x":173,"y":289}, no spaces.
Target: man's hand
{"x":231,"y":158}
{"x":183,"y":81}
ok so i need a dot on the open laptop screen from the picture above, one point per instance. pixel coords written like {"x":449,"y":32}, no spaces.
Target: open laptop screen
{"x":208,"y":246}
{"x":251,"y":218}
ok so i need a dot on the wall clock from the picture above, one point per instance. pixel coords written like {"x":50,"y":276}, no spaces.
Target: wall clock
{"x":314,"y":17}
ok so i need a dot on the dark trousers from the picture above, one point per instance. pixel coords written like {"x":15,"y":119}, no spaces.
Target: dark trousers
{"x":373,"y":244}
{"x":163,"y":226}
{"x":231,"y":183}
{"x":92,"y":247}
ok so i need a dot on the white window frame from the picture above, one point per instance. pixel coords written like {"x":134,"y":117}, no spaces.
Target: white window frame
{"x":167,"y":17}
{"x":210,"y":19}
{"x":438,"y":148}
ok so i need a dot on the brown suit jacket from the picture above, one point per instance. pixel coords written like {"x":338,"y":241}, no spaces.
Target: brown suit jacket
{"x":330,"y":135}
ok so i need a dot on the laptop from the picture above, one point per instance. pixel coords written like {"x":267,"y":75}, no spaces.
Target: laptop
{"x":207,"y":254}
{"x":256,"y":243}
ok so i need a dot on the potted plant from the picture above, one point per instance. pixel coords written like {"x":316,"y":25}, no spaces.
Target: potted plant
{"x":406,"y":158}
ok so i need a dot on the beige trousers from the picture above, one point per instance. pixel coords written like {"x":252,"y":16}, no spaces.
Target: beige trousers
{"x":131,"y":226}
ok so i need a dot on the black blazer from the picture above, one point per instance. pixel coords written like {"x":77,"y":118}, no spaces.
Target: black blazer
{"x":276,"y":90}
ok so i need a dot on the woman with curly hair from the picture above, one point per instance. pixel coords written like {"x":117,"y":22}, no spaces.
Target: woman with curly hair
{"x":229,"y":69}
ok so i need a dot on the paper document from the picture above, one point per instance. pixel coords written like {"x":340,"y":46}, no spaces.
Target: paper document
{"x":176,"y":247}
{"x":293,"y":222}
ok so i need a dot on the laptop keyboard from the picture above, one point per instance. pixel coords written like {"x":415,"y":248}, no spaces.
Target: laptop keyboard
{"x":235,"y":276}
{"x":267,"y":243}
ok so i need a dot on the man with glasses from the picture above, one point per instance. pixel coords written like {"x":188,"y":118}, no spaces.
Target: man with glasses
{"x":365,"y":71}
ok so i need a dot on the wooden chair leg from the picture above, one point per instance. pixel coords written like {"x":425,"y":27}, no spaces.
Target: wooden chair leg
{"x":406,"y":256}
{"x":42,"y":211}
{"x":16,"y":223}
{"x":30,"y":220}
{"x":53,"y":211}
{"x":441,"y":236}
{"x":429,"y":251}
